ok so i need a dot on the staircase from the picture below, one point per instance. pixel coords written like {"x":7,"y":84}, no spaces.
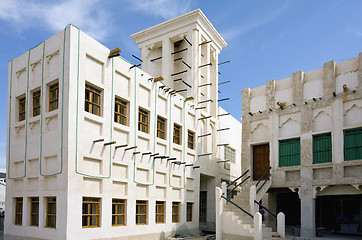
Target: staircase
{"x":236,"y":222}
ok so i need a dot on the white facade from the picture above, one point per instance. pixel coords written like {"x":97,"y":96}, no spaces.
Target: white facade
{"x":325,"y":103}
{"x":71,"y":154}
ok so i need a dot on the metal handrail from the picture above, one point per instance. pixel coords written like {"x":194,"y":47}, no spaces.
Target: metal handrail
{"x":228,"y":193}
{"x":238,"y":206}
{"x":263,"y":183}
{"x":260,"y":205}
{"x":238,"y":178}
{"x":261,"y":178}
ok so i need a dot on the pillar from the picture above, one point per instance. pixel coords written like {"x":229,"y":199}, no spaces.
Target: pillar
{"x":307,"y":207}
{"x":219,"y":209}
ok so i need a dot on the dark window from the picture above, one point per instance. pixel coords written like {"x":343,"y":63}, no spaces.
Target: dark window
{"x":322,"y":148}
{"x":161,"y":127}
{"x":177,"y":134}
{"x":190,"y":139}
{"x":118,"y":212}
{"x":36,"y":103}
{"x":175,"y":212}
{"x":353,"y":144}
{"x":143,"y":120}
{"x":18,"y":211}
{"x":141,"y":212}
{"x":91,"y":212}
{"x":189,"y":211}
{"x":34,"y":211}
{"x":92,"y":100}
{"x":51,"y":215}
{"x":120,"y":111}
{"x":53,"y":96}
{"x":22,"y":109}
{"x":160,"y":212}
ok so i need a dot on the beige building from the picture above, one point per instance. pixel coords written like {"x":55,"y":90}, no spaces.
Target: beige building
{"x":308,"y":129}
{"x":100,"y":149}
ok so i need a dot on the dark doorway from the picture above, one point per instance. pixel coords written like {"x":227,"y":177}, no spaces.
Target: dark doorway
{"x":340,"y":213}
{"x":203,"y":206}
{"x":289,"y":204}
{"x":261,"y":161}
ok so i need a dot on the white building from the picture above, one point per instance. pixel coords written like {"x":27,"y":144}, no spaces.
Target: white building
{"x":101,"y":149}
{"x":308,"y":129}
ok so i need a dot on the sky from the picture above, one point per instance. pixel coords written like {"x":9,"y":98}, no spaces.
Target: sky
{"x":266,"y":39}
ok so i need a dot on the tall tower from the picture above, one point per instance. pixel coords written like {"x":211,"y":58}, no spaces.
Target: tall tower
{"x":184,"y":52}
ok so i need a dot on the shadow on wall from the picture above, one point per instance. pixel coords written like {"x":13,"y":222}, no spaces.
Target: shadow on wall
{"x":181,"y":231}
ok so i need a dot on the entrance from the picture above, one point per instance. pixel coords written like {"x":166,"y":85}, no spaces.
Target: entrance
{"x":261,"y":161}
{"x":203,"y":207}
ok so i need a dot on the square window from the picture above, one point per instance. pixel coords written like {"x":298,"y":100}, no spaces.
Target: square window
{"x":160,"y":212}
{"x":143,"y":117}
{"x":190,"y":139}
{"x":34,"y":211}
{"x":141,"y":212}
{"x":175,"y":212}
{"x":289,"y":152}
{"x":120,"y":111}
{"x":53,"y":96}
{"x":352,"y":144}
{"x":90,"y":212}
{"x":322,"y":148}
{"x":161,"y":127}
{"x":177,"y":130}
{"x":92,"y":100}
{"x":51,"y":212}
{"x":229,"y":154}
{"x":118,"y":212}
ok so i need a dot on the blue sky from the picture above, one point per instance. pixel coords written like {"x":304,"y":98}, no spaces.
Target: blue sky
{"x":266,"y":39}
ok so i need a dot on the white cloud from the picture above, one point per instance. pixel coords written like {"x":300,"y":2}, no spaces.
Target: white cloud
{"x":258,"y":22}
{"x":354,"y":31}
{"x":162,"y":8}
{"x":86,"y":14}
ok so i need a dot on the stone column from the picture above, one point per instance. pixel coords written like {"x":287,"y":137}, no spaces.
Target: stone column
{"x":307,"y":207}
{"x":167,"y":61}
{"x":298,"y":87}
{"x":219,"y":212}
{"x":245,"y":155}
{"x":359,"y":70}
{"x":329,"y":81}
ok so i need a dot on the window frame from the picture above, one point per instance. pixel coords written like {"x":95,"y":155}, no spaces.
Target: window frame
{"x":161,"y":130}
{"x":115,"y":214}
{"x":22,"y":114}
{"x":139,"y":204}
{"x":36,"y":107}
{"x":162,"y":205}
{"x":89,"y":214}
{"x":177,"y":138}
{"x":284,"y":142}
{"x":51,"y":201}
{"x":143,"y":114}
{"x":176,"y":214}
{"x":34,"y":215}
{"x":53,"y":88}
{"x":93,"y":91}
{"x":189,"y":216}
{"x":318,"y":153}
{"x":229,"y":154}
{"x":120,"y":103}
{"x":356,"y":146}
{"x":190,"y":139}
{"x":19,"y":205}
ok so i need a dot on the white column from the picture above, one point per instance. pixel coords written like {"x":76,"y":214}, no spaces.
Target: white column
{"x":167,"y":61}
{"x":258,"y":232}
{"x":224,"y":192}
{"x":253,"y":207}
{"x":281,"y":224}
{"x":219,"y":211}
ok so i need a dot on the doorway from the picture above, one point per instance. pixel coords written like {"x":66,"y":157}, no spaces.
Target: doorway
{"x":261,"y":161}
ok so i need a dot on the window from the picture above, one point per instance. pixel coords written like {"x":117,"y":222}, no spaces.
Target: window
{"x":190,"y":139}
{"x":22,"y":110}
{"x":161,"y":127}
{"x":34,"y":211}
{"x":189,"y":210}
{"x":289,"y":152}
{"x":160,"y":212}
{"x":143,"y":120}
{"x":229,"y":154}
{"x":120,"y":111}
{"x":175,"y":212}
{"x":322,"y":148}
{"x":18,"y":211}
{"x":176,"y":134}
{"x":92,"y":100}
{"x":141,"y":212}
{"x":90,"y":214}
{"x":353,"y":144}
{"x":36,"y":103}
{"x":118,"y":212}
{"x":53,"y":96}
{"x":51,"y":213}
